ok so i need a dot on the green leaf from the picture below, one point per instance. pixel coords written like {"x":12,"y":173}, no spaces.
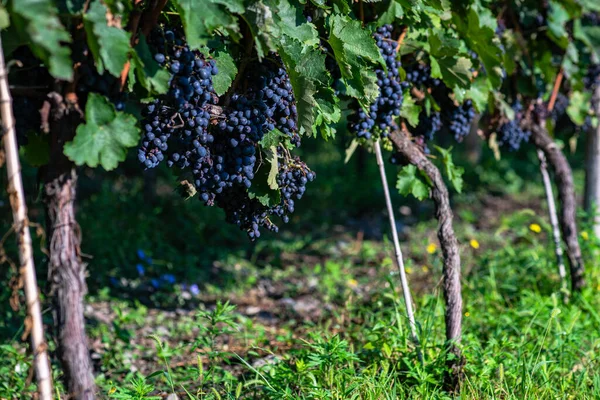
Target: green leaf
{"x":393,"y":12}
{"x":38,"y":22}
{"x":579,"y":106}
{"x":409,"y":182}
{"x":479,"y":93}
{"x":274,"y":170}
{"x":453,"y":172}
{"x":109,"y":44}
{"x":105,"y":136}
{"x":149,"y":74}
{"x":275,"y":21}
{"x":410,"y":110}
{"x":4,"y":18}
{"x":293,"y":24}
{"x":202,"y":18}
{"x":454,"y":70}
{"x":590,"y":36}
{"x":350,"y":150}
{"x":234,"y":6}
{"x":479,"y":34}
{"x":557,"y":19}
{"x":261,"y":188}
{"x":356,"y":53}
{"x":227,"y":71}
{"x":37,"y":150}
{"x":315,"y":101}
{"x":272,"y":139}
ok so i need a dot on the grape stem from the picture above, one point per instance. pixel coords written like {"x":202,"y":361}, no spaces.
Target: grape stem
{"x":33,"y":323}
{"x":555,"y":227}
{"x":398,"y":250}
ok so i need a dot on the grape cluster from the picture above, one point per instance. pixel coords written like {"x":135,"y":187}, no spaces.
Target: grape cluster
{"x":459,"y":120}
{"x":560,"y":107}
{"x":276,"y":91}
{"x":419,"y":75}
{"x":292,"y":180}
{"x":215,"y":147}
{"x":456,"y":118}
{"x":510,"y":134}
{"x":592,"y":77}
{"x":381,"y":113}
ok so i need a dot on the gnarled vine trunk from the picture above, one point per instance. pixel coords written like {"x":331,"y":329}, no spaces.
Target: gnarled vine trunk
{"x":568,"y":204}
{"x":592,"y":167}
{"x":66,"y":271}
{"x":450,"y":251}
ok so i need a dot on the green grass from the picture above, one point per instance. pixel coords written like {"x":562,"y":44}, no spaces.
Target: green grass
{"x":520,"y":341}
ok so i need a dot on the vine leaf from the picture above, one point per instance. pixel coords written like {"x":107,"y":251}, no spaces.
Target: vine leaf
{"x":355,"y":52}
{"x":477,"y":28}
{"x":149,"y":74}
{"x":315,"y":101}
{"x":227,"y":71}
{"x":445,"y":64}
{"x":393,"y":12}
{"x":410,"y":110}
{"x":274,"y":171}
{"x":579,"y":105}
{"x":105,"y":136}
{"x":38,"y":23}
{"x":479,"y":93}
{"x":557,"y":19}
{"x":4,"y":18}
{"x":272,"y":139}
{"x":590,"y":36}
{"x":273,"y":21}
{"x":109,"y":44}
{"x":264,"y":186}
{"x":409,"y":182}
{"x":453,"y":171}
{"x":350,"y":150}
{"x":202,"y":18}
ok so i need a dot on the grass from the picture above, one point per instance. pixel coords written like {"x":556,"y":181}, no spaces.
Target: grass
{"x":316,"y":312}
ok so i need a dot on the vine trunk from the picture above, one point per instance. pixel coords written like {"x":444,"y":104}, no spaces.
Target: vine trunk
{"x":66,"y":271}
{"x":592,"y":167}
{"x":568,"y":204}
{"x":450,"y":251}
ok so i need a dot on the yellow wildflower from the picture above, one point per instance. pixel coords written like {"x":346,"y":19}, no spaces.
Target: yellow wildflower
{"x":474,"y":244}
{"x":535,"y":228}
{"x":431,"y":248}
{"x":585,"y":235}
{"x":467,"y":314}
{"x":425,"y":268}
{"x":352,"y":283}
{"x":409,"y":270}
{"x":598,"y":287}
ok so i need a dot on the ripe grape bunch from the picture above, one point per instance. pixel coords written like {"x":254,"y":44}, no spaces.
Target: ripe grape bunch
{"x":510,"y":134}
{"x":251,"y":214}
{"x":216,"y":147}
{"x":381,"y":113}
{"x":459,"y":120}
